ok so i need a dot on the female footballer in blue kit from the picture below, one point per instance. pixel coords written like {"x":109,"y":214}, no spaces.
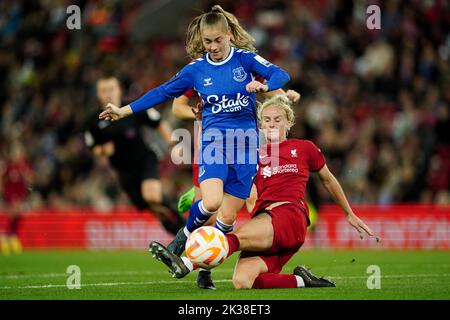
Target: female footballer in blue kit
{"x":224,"y":78}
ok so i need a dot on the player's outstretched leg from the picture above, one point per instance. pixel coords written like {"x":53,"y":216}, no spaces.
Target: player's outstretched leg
{"x":301,"y":278}
{"x":178,"y":243}
{"x":198,"y":215}
{"x":312,"y":281}
{"x":178,"y":268}
{"x":175,"y":264}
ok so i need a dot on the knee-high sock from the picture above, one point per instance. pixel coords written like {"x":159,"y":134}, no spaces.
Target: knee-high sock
{"x":222,"y":226}
{"x":198,"y":215}
{"x":233,"y":243}
{"x":275,"y":280}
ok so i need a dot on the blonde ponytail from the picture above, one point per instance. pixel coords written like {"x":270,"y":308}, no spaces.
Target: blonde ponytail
{"x":194,"y":44}
{"x":239,"y":37}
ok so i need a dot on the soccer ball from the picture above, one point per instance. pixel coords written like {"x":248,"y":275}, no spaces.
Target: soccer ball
{"x":207,"y":247}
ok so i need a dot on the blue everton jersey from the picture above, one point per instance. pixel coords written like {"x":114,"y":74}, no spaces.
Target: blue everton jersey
{"x":221,"y":86}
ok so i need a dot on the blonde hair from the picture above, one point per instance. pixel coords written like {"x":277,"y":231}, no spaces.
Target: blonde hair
{"x":282,"y":102}
{"x":239,"y":37}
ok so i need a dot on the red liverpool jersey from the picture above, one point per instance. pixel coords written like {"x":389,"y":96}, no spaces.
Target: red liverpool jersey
{"x":284,"y":177}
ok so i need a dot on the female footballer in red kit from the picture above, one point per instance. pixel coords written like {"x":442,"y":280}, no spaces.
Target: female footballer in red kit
{"x":280,"y":215}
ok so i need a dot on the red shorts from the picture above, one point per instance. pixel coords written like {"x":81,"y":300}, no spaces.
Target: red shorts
{"x":289,"y":231}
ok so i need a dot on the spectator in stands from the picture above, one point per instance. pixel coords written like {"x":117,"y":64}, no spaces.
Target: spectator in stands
{"x":379,"y":112}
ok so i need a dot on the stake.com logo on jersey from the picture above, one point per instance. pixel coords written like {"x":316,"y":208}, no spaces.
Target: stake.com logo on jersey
{"x":227,"y":105}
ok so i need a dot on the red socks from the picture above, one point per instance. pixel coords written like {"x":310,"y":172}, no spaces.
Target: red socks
{"x":233,"y":243}
{"x":274,"y":281}
{"x":264,"y":280}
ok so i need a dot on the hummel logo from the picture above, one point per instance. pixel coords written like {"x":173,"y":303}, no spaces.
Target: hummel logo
{"x":207,"y":82}
{"x":199,"y":222}
{"x":201,"y":171}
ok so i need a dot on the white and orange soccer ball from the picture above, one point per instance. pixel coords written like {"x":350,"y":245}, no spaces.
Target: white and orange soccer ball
{"x":207,"y":247}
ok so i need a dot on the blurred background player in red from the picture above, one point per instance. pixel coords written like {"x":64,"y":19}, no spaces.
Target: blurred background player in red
{"x":136,"y":164}
{"x":16,"y":177}
{"x":280,"y":215}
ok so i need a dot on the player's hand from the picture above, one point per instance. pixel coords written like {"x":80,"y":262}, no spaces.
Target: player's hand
{"x":256,"y":86}
{"x":293,"y":96}
{"x":197,"y":111}
{"x":361,"y":227}
{"x":111,"y":112}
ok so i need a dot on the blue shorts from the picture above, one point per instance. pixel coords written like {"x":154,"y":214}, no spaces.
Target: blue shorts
{"x":237,"y":178}
{"x":236,"y":167}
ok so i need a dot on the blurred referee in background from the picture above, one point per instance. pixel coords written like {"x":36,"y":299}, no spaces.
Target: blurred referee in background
{"x":136,"y":164}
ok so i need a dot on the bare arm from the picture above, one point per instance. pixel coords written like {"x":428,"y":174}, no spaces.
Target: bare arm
{"x":332,"y":185}
{"x":114,"y":113}
{"x":181,"y":108}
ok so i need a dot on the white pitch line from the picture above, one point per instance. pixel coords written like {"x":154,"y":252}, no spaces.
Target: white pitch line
{"x":140,"y":283}
{"x":58,"y":275}
{"x":107,"y":284}
{"x":145,"y":272}
{"x":107,"y":273}
{"x":424,"y":275}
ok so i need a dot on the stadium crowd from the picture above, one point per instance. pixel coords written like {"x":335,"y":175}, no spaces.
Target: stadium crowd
{"x":376,"y":101}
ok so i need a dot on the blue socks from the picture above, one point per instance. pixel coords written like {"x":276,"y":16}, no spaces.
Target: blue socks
{"x":198,"y":215}
{"x":225,"y":228}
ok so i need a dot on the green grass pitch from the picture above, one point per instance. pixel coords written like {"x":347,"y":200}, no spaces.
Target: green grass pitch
{"x":135,"y":275}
